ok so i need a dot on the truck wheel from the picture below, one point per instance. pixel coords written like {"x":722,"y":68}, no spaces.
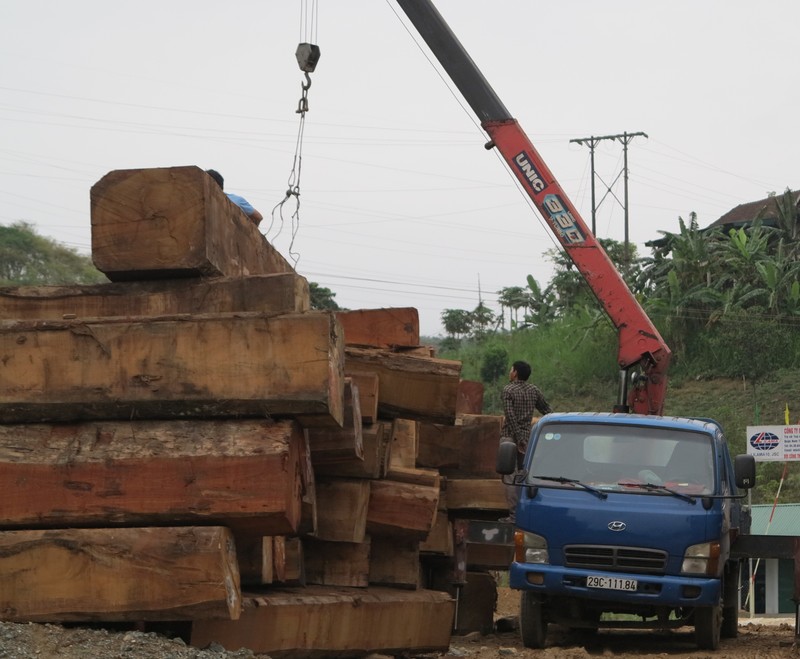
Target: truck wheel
{"x":730,"y":622}
{"x":708,"y":626}
{"x":532,"y":625}
{"x":730,"y":604}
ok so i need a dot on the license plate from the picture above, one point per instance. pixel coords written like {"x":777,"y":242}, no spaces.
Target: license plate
{"x":611,"y":583}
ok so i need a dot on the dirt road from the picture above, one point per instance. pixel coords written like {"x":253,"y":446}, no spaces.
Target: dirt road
{"x":756,"y":640}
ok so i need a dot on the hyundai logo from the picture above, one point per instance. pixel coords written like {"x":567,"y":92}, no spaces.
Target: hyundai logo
{"x":617,"y":526}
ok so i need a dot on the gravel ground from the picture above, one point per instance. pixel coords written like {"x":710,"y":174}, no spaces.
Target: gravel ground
{"x":761,"y":638}
{"x":38,"y":641}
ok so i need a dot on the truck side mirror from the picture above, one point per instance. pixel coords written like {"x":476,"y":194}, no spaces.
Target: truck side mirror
{"x":744,"y":469}
{"x":506,"y":458}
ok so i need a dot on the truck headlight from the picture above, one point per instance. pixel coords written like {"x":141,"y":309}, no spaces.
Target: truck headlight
{"x":530,"y":548}
{"x":701,"y":559}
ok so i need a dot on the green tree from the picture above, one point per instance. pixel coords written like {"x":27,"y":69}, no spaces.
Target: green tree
{"x":568,"y":287}
{"x":482,"y":319}
{"x":540,"y":303}
{"x":457,"y":322}
{"x":322,"y":298}
{"x":28,"y":259}
{"x":512,"y":298}
{"x":494,"y":363}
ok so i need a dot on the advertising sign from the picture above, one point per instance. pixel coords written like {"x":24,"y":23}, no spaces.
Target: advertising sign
{"x":773,"y":443}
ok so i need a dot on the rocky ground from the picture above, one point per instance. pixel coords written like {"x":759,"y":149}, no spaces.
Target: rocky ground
{"x":762,"y":639}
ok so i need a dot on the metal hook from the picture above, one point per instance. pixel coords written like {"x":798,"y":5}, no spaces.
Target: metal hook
{"x":302,"y":105}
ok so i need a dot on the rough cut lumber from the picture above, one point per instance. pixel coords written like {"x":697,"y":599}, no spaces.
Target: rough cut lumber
{"x":183,"y":573}
{"x":240,"y":473}
{"x":440,"y":539}
{"x":367,"y":384}
{"x":342,"y":509}
{"x":340,"y":444}
{"x":376,"y":456}
{"x":279,"y":558}
{"x":401,"y":509}
{"x":295,"y":570}
{"x":470,"y":397}
{"x":430,"y":477}
{"x":279,"y":293}
{"x":468,"y":448}
{"x":170,"y":222}
{"x":308,"y":516}
{"x":248,"y":364}
{"x":394,"y":562}
{"x":411,"y":387}
{"x":337,"y":563}
{"x":405,"y":442}
{"x":254,"y":555}
{"x":475,"y":493}
{"x":380,"y":328}
{"x":319,"y":621}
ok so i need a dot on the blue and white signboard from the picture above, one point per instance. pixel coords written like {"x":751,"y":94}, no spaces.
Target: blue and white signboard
{"x":773,"y":443}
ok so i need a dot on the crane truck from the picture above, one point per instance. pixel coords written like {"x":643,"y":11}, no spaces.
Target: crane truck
{"x":625,"y":518}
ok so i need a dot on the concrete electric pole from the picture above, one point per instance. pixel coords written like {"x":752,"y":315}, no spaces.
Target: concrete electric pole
{"x":591,"y":142}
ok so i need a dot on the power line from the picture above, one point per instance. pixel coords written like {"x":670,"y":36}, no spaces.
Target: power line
{"x":625,"y":139}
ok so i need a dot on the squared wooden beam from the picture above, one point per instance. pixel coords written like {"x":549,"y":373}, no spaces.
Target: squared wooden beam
{"x":167,"y":573}
{"x":174,"y":222}
{"x":248,"y":364}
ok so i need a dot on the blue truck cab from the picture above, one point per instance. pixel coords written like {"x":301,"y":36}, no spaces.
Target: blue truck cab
{"x":627,"y":514}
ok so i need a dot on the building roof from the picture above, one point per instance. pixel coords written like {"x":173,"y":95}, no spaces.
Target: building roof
{"x":785,"y":521}
{"x":744,"y":214}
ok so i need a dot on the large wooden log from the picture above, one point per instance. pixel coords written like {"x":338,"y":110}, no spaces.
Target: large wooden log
{"x":173,"y":221}
{"x":278,"y":293}
{"x":405,"y":444}
{"x":367,"y":384}
{"x":401,"y":509}
{"x":241,"y":473}
{"x":340,"y":444}
{"x":255,"y":557}
{"x":394,"y":562}
{"x":184,"y":573}
{"x":381,"y":328}
{"x":411,"y":387}
{"x":308,"y":517}
{"x":337,"y":563}
{"x":468,"y":448}
{"x":470,"y":397}
{"x":319,"y":621}
{"x":342,"y":509}
{"x":430,"y":477}
{"x":376,"y":439}
{"x":485,"y":494}
{"x":295,"y":569}
{"x":248,"y":364}
{"x":440,"y":539}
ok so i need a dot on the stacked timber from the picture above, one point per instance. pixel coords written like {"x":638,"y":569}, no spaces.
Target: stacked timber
{"x":190,"y":442}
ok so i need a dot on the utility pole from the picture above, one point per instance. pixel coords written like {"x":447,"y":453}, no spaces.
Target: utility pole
{"x":625,"y":139}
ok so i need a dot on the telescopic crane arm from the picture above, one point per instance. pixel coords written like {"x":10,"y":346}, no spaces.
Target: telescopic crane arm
{"x":643,"y":356}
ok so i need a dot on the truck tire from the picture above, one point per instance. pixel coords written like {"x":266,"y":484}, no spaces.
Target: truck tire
{"x":532,"y":625}
{"x":730,"y":605}
{"x":708,"y":626}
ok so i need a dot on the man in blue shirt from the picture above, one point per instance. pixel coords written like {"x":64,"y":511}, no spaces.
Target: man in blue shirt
{"x":241,"y":202}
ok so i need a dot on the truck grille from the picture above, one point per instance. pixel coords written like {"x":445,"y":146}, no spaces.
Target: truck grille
{"x":622,"y":559}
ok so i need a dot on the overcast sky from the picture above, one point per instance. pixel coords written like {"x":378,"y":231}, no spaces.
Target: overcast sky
{"x":400,"y":204}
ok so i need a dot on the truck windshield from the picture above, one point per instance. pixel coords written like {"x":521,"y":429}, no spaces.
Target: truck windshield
{"x":622,"y":458}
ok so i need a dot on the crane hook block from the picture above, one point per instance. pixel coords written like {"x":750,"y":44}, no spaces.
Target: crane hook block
{"x":307,"y":55}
